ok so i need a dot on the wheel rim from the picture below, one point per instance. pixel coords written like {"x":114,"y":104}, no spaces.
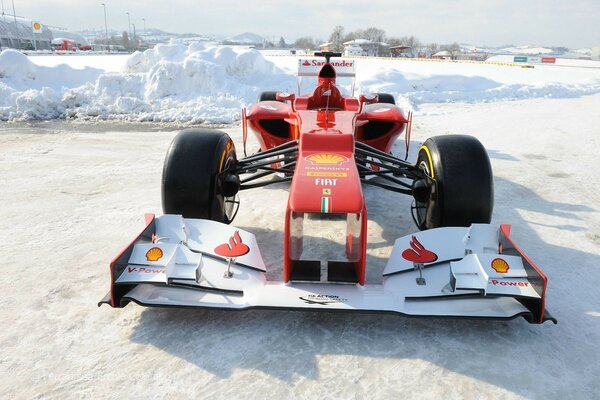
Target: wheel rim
{"x":230,"y":204}
{"x":419,"y":209}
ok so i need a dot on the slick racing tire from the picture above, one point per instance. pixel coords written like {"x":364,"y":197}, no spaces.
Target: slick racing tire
{"x":195,"y":182}
{"x":268,"y":96}
{"x":464,"y":186}
{"x":386,"y":98}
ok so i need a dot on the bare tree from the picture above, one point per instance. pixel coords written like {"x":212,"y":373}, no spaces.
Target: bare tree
{"x":337,"y":38}
{"x":433,"y":48}
{"x":374,"y":35}
{"x":305,"y":43}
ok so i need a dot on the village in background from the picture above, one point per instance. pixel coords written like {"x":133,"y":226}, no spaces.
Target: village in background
{"x":35,"y":36}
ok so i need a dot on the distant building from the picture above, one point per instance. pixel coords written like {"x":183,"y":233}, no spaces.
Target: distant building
{"x":401,"y":51}
{"x":326,"y":46}
{"x":362,"y":47}
{"x":442,"y":55}
{"x":596,"y":53}
{"x":18,"y":33}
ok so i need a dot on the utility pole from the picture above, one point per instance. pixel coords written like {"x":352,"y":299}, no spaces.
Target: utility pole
{"x":106,"y":28}
{"x":144,"y":19}
{"x":128,"y":23}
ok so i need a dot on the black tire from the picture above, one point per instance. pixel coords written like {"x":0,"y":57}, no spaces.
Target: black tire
{"x":191,"y":180}
{"x":464,"y":189}
{"x":386,"y":98}
{"x":268,"y":96}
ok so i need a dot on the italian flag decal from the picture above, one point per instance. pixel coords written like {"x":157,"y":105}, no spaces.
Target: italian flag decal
{"x":325,"y":204}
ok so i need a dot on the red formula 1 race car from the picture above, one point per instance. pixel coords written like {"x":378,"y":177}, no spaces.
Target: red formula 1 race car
{"x":328,"y":146}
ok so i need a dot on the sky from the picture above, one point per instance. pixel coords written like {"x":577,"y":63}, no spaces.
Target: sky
{"x":566,"y":23}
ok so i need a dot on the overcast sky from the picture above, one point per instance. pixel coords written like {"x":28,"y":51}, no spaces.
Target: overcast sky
{"x":574,"y":23}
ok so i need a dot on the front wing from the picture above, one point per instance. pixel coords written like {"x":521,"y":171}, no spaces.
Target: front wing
{"x":475,"y":272}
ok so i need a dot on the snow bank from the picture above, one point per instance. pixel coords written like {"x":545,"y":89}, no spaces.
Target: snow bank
{"x":197,"y":84}
{"x":171,"y":82}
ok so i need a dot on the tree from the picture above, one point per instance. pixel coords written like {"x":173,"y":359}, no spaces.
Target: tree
{"x":337,"y":38}
{"x":374,"y":35}
{"x":305,"y":43}
{"x":281,"y":43}
{"x":433,"y":48}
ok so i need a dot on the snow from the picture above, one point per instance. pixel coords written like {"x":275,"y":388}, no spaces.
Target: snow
{"x":74,"y":194}
{"x":196,"y":83}
{"x":533,"y":50}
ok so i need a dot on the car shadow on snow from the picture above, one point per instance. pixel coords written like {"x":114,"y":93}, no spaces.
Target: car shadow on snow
{"x":528,"y":360}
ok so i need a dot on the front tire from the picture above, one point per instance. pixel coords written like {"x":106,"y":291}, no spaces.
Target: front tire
{"x":193,"y":175}
{"x":463,"y":193}
{"x":267,"y":96}
{"x":386,"y":98}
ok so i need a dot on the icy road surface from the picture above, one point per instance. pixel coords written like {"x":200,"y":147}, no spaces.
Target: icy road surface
{"x":73,"y":195}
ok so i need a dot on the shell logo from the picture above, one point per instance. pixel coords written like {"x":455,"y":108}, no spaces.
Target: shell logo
{"x":154,"y":254}
{"x":499,"y":265}
{"x":37,"y":26}
{"x":326,"y":158}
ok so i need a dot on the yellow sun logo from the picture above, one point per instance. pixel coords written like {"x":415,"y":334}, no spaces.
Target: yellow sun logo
{"x":325,"y":158}
{"x":154,"y":254}
{"x":500,"y":266}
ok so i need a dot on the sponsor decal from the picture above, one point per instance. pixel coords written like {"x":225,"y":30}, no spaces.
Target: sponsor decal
{"x":234,"y":248}
{"x":145,"y":270}
{"x":499,"y":265}
{"x":154,"y":254}
{"x":327,"y":174}
{"x":325,"y":168}
{"x":335,"y":63}
{"x":326,"y":192}
{"x":322,"y":299}
{"x":268,"y":107}
{"x":326,"y":205}
{"x":325,"y":182}
{"x":508,"y":283}
{"x":380,"y":110}
{"x":418,"y":253}
{"x":326,"y":158}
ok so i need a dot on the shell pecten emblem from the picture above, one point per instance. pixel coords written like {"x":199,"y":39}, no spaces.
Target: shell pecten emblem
{"x":499,"y":265}
{"x":154,"y":254}
{"x":326,"y":158}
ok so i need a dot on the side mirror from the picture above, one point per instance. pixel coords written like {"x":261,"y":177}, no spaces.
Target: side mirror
{"x":284,"y":96}
{"x":368,"y":98}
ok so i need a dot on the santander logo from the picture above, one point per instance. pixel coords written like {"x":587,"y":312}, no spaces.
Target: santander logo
{"x":234,"y":248}
{"x":320,"y":63}
{"x":418,"y":253}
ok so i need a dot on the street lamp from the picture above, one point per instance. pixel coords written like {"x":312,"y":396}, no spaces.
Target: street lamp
{"x":144,"y":19}
{"x":128,"y":24}
{"x":16,"y":25}
{"x":106,"y":27}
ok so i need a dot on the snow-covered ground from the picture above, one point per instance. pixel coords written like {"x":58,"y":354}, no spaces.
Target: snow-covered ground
{"x":73,"y":195}
{"x":194,"y":84}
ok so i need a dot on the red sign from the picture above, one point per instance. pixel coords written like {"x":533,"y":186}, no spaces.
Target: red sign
{"x":234,"y":248}
{"x":548,"y":60}
{"x":417,"y":253}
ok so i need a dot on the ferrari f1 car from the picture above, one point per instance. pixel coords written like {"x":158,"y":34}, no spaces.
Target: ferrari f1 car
{"x":328,"y":145}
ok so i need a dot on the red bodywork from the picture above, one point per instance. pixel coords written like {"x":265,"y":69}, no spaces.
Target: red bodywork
{"x":326,"y":180}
